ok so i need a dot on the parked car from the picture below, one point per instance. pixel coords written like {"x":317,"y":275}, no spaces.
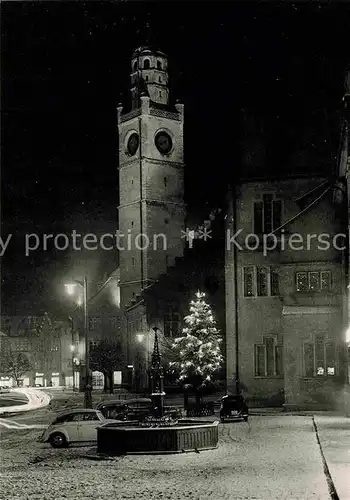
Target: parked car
{"x":73,"y":426}
{"x":132,"y":409}
{"x":4,"y":390}
{"x":233,"y":407}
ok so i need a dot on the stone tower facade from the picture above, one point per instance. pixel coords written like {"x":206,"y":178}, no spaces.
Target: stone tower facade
{"x":151,"y":176}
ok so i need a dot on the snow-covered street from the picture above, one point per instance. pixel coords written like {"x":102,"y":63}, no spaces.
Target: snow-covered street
{"x":272,"y":457}
{"x":36,"y":399}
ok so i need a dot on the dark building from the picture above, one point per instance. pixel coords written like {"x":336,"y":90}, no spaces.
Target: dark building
{"x":287,"y":295}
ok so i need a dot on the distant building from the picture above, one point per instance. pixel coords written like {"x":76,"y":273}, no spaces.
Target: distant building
{"x":105,"y":322}
{"x":45,"y":343}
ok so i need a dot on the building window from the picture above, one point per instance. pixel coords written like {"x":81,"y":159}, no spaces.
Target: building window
{"x":269,"y":358}
{"x":132,"y":181}
{"x":166,"y":221}
{"x":146,"y":78}
{"x":93,"y":344}
{"x":133,"y":261}
{"x":132,"y":223}
{"x":113,"y":321}
{"x":165,"y":181}
{"x":146,"y":64}
{"x":159,"y":64}
{"x":313,"y":281}
{"x":135,"y":66}
{"x":171,"y":324}
{"x":97,"y":380}
{"x":260,"y":281}
{"x":160,"y":94}
{"x":94,"y":323}
{"x":160,"y":79}
{"x":267,"y":214}
{"x":21,"y":345}
{"x":319,"y":358}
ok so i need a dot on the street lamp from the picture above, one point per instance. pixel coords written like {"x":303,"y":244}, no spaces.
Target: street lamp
{"x":87,"y":386}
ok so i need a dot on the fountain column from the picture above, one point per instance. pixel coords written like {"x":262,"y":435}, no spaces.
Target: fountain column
{"x":157,"y":379}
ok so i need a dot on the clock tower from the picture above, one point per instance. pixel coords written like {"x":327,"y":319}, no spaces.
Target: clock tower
{"x":151,"y":176}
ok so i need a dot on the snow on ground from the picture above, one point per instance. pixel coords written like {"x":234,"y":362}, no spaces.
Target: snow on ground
{"x":275,"y":457}
{"x":36,"y":399}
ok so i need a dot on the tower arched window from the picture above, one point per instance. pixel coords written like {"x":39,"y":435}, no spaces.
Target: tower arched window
{"x":160,"y":79}
{"x":159,"y":64}
{"x":146,"y":64}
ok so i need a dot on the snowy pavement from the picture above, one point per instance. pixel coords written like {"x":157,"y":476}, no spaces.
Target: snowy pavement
{"x":272,"y":457}
{"x":334,"y":435}
{"x":36,"y":399}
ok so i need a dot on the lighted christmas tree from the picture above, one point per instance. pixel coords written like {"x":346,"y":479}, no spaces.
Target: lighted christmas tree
{"x":197,"y":353}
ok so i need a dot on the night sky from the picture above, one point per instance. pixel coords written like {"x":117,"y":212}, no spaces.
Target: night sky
{"x":247,"y":74}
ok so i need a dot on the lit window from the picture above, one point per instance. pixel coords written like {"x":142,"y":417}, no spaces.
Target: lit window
{"x":260,"y":281}
{"x":319,"y":358}
{"x":313,"y":281}
{"x":249,"y":281}
{"x":171,"y":324}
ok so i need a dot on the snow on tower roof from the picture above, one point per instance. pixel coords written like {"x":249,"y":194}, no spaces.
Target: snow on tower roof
{"x":147,"y":49}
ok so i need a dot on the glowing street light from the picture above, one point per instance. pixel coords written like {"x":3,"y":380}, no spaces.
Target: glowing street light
{"x":70,"y":288}
{"x":347,"y":336}
{"x":87,"y":388}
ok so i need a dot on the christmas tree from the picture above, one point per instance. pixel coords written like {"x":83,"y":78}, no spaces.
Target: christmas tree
{"x":197,"y":353}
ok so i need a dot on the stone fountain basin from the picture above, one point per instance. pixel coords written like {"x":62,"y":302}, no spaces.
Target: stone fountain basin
{"x":123,"y":438}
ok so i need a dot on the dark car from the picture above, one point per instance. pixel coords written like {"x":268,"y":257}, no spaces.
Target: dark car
{"x":233,"y":407}
{"x":129,"y":409}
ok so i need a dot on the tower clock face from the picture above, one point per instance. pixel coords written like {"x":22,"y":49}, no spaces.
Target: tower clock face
{"x":133,"y":144}
{"x":163,"y":142}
